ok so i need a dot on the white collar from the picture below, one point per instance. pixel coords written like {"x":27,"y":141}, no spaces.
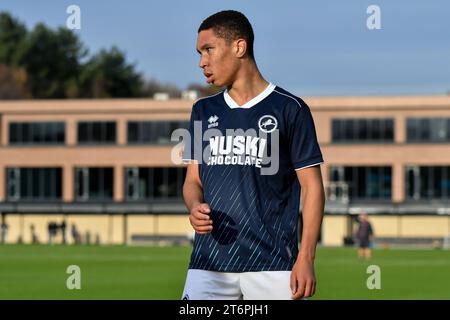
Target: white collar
{"x":232,"y":104}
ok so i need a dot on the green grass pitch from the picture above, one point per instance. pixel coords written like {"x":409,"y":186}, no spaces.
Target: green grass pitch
{"x":119,"y":272}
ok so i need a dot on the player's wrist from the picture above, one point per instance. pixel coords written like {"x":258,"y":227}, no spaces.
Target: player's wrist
{"x":306,"y":255}
{"x":194,"y":204}
{"x":305,"y":258}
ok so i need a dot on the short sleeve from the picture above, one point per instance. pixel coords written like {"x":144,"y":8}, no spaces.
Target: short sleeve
{"x":190,"y":142}
{"x":304,"y":148}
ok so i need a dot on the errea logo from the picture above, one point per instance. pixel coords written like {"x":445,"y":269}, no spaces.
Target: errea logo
{"x":213,"y":121}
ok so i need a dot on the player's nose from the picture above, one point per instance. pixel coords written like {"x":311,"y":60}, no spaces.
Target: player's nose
{"x":202,"y":63}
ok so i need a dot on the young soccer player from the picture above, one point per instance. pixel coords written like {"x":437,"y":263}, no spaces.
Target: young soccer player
{"x":245,"y":210}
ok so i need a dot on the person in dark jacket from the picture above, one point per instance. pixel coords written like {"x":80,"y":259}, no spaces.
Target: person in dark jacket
{"x":365,"y":237}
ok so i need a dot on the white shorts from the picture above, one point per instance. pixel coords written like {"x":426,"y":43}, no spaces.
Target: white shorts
{"x":260,"y":285}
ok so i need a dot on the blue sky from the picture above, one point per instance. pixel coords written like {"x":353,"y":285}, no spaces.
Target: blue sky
{"x":312,"y":47}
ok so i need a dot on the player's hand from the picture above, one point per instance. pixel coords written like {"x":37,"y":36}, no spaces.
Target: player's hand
{"x":200,"y":219}
{"x":303,"y":279}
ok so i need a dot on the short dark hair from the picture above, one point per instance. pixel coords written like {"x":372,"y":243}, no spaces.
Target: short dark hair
{"x":231,"y":25}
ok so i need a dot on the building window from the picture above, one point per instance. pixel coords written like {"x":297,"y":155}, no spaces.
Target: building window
{"x":143,"y":183}
{"x":428,"y":130}
{"x":362,"y":130}
{"x":34,"y":184}
{"x":37,"y":133}
{"x":94,"y":184}
{"x":153,"y":132}
{"x":427,"y":182}
{"x":360,"y":183}
{"x":98,"y":132}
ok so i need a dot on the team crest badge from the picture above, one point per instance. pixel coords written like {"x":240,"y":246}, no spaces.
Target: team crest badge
{"x":267,"y":123}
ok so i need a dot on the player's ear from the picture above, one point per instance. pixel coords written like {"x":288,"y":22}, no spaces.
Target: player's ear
{"x":240,"y":48}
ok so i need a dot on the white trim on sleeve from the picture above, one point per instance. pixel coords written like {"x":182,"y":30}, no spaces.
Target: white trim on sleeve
{"x":311,"y":165}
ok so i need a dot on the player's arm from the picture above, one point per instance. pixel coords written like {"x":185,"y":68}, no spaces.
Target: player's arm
{"x":193,"y":198}
{"x":303,"y":280}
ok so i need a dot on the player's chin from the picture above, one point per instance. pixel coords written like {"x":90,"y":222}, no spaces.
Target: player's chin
{"x":210,"y":80}
{"x":215,"y":82}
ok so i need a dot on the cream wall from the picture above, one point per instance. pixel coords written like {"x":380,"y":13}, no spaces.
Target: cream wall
{"x":334,"y":228}
{"x":111,"y":228}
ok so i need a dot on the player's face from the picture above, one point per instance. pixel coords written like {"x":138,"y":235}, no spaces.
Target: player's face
{"x":217,"y":58}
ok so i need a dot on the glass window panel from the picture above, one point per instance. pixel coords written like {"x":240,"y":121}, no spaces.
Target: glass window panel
{"x":133,"y":131}
{"x":410,"y":183}
{"x":26,"y":133}
{"x":335,"y":127}
{"x":94,"y":183}
{"x":14,"y":132}
{"x":108,"y":177}
{"x":362,"y":132}
{"x":149,"y":132}
{"x":172,"y":183}
{"x":348,"y":130}
{"x":58,"y":183}
{"x":96,"y":132}
{"x":412,"y":129}
{"x":141,"y":183}
{"x":110,"y":132}
{"x":61,"y":135}
{"x":425,"y":130}
{"x":160,"y":189}
{"x":437,"y":182}
{"x":83,"y":132}
{"x":389,"y":130}
{"x":376,"y":129}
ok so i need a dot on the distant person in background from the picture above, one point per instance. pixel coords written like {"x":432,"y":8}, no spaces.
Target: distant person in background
{"x":97,"y":239}
{"x":34,"y":237}
{"x":4,"y":230}
{"x":88,"y":237}
{"x":52,"y":231}
{"x":75,"y":234}
{"x":63,"y":231}
{"x":365,"y":237}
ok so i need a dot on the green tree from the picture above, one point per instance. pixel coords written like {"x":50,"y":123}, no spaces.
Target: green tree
{"x":52,"y":61}
{"x":13,"y":83}
{"x":47,"y":63}
{"x":12,"y":34}
{"x":108,"y":75}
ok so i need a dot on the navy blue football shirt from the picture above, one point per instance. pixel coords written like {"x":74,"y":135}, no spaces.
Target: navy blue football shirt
{"x":248,"y":156}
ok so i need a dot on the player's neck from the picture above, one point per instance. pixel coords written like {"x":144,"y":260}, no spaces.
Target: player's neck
{"x":248,"y":84}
